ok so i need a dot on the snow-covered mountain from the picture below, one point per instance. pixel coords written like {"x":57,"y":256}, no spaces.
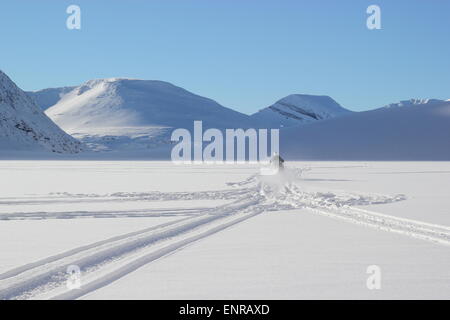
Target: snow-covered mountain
{"x":25,"y":127}
{"x":415,"y":102}
{"x":116,"y":113}
{"x":298,"y":109}
{"x":48,"y":97}
{"x":419,"y":132}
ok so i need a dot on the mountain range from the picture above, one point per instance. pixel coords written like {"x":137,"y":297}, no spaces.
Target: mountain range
{"x":129,"y":114}
{"x":125,"y":116}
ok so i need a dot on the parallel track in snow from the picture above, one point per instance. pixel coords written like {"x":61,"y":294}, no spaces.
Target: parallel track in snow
{"x":104,"y":262}
{"x":408,"y":227}
{"x":412,"y":228}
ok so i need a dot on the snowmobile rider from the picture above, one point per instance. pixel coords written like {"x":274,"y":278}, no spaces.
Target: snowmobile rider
{"x":277,"y":161}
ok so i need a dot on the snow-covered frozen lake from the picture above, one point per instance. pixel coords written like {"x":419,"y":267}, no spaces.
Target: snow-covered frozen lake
{"x":155,"y":230}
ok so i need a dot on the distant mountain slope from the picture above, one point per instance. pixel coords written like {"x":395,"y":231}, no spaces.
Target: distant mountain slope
{"x":418,"y":132}
{"x":111,"y":114}
{"x":23,"y":126}
{"x":48,"y":97}
{"x":298,"y":109}
{"x":414,"y":102}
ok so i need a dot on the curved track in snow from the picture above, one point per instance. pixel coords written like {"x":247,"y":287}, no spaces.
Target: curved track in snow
{"x":349,"y":213}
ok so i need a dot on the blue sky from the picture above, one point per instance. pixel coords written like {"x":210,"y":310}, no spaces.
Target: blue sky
{"x":245,"y":54}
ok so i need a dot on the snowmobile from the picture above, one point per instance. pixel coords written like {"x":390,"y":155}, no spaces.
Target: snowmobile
{"x":277,"y":161}
{"x":276,"y":165}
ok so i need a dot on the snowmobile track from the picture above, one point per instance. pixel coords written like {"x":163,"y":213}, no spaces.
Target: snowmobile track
{"x":107,"y":260}
{"x":349,"y":213}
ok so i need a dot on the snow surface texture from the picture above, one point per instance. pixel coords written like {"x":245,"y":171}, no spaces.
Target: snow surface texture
{"x":316,"y":195}
{"x":417,"y":132}
{"x":129,"y":114}
{"x":23,"y":126}
{"x":298,"y":109}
